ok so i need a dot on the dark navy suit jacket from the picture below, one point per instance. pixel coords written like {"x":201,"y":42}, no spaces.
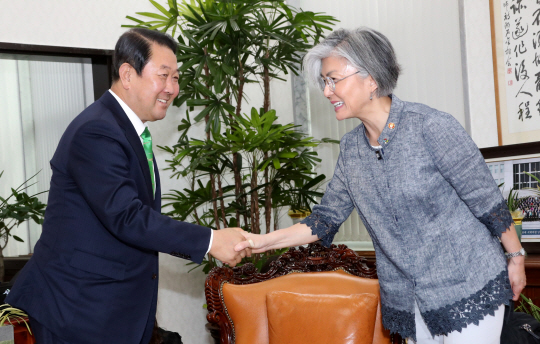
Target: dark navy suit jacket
{"x":93,"y":275}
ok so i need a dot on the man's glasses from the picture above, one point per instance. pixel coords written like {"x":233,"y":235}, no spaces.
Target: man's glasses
{"x":328,"y":81}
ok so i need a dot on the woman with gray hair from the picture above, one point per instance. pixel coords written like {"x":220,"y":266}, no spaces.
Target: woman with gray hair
{"x":422,"y":189}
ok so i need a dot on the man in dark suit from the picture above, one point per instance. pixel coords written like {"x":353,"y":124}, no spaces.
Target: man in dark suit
{"x":93,"y":275}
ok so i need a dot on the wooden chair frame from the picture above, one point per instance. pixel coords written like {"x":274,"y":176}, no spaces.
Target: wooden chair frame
{"x":313,"y":258}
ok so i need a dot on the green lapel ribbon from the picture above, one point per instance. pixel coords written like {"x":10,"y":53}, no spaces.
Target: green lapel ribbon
{"x":147,"y":145}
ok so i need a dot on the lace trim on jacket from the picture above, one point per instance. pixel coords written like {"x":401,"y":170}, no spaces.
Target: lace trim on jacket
{"x":498,"y":219}
{"x":472,"y":309}
{"x":323,"y":227}
{"x":453,"y":317}
{"x":401,"y":322}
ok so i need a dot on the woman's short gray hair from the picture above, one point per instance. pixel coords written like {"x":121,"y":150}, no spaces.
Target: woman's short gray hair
{"x":367,"y":50}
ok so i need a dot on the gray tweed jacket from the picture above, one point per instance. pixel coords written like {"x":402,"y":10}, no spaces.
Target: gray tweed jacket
{"x":434,"y":213}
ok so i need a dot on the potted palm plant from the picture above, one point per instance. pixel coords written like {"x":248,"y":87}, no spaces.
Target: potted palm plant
{"x":247,"y":167}
{"x":15,"y":209}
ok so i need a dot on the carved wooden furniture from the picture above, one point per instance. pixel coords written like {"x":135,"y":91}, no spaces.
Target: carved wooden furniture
{"x":307,"y":263}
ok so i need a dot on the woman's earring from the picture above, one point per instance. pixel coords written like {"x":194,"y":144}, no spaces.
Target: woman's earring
{"x":371,"y":96}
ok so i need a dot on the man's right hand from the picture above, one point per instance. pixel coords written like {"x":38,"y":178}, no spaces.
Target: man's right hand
{"x":223,"y":246}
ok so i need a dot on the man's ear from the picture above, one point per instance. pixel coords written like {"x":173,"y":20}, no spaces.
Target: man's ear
{"x":126,"y":73}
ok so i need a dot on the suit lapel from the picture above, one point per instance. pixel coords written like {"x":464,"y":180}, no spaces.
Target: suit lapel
{"x":131,"y":135}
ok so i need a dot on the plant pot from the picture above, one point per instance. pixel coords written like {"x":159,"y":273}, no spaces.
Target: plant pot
{"x":517,"y":216}
{"x":6,"y":334}
{"x":298,"y":215}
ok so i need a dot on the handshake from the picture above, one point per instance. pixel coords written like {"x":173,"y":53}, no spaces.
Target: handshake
{"x":230,"y":245}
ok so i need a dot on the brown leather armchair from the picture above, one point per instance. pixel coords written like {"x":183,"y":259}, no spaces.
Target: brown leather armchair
{"x":239,"y":312}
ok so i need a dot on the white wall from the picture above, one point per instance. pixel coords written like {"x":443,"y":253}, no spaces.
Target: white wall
{"x":478,"y":75}
{"x":432,"y":74}
{"x":70,"y":23}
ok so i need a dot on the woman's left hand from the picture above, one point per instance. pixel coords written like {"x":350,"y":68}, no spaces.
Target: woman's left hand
{"x":516,"y":273}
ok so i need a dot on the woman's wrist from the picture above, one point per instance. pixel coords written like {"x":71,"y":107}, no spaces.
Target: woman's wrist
{"x":518,"y":260}
{"x":515,"y":253}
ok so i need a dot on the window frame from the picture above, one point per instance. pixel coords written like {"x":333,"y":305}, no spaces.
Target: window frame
{"x":101,"y":60}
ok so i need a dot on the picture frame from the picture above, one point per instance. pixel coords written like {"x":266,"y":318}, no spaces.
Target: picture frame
{"x":507,"y":164}
{"x":515,"y":33}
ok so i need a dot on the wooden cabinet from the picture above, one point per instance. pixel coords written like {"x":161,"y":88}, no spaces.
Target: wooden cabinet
{"x":532,"y":270}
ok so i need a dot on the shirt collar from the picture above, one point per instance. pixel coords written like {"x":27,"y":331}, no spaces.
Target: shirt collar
{"x":392,"y":123}
{"x":134,"y":119}
{"x":391,"y":126}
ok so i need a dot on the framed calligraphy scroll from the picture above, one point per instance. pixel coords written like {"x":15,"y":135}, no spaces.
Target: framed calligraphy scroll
{"x":515,"y":31}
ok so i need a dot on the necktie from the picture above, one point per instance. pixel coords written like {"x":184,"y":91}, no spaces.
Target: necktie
{"x":147,"y":145}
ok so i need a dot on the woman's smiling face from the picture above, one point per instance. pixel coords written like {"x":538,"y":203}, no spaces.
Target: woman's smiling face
{"x":351,"y":95}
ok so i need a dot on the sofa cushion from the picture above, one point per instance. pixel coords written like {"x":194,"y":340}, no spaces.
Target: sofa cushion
{"x":295,"y":318}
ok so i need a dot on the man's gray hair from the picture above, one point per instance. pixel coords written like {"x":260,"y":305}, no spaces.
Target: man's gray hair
{"x":365,"y":49}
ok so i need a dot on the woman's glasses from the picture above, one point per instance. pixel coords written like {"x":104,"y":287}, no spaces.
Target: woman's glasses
{"x":328,"y":81}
